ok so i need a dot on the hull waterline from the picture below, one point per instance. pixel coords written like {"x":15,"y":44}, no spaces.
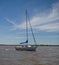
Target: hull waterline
{"x":26,"y":48}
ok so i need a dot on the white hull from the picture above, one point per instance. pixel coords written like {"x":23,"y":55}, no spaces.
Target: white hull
{"x":26,"y":48}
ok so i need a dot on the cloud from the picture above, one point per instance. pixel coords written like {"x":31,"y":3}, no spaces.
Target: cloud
{"x":21,"y":37}
{"x":14,"y":25}
{"x":47,"y":23}
{"x":12,"y":22}
{"x":49,"y":27}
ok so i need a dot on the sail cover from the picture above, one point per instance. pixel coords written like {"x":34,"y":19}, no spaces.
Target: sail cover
{"x":24,"y":42}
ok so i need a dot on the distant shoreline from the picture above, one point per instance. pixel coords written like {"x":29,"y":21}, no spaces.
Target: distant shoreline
{"x":32,"y":45}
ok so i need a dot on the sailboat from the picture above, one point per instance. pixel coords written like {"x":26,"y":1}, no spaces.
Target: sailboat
{"x":25,"y":45}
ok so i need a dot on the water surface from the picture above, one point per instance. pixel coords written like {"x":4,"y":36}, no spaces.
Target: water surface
{"x":44,"y":55}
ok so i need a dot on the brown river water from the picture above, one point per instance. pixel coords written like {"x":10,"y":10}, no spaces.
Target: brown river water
{"x":44,"y":55}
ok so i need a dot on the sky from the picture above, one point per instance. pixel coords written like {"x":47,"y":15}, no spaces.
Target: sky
{"x":43,"y":15}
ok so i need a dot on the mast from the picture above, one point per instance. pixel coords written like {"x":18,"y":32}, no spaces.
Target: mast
{"x":27,"y":18}
{"x":26,"y":27}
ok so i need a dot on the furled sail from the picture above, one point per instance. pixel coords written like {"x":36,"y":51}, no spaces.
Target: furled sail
{"x":24,"y":42}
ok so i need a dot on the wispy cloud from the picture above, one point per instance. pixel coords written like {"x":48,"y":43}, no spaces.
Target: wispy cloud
{"x":37,"y":21}
{"x":14,"y":25}
{"x":49,"y":27}
{"x":53,"y":17}
{"x":12,"y":22}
